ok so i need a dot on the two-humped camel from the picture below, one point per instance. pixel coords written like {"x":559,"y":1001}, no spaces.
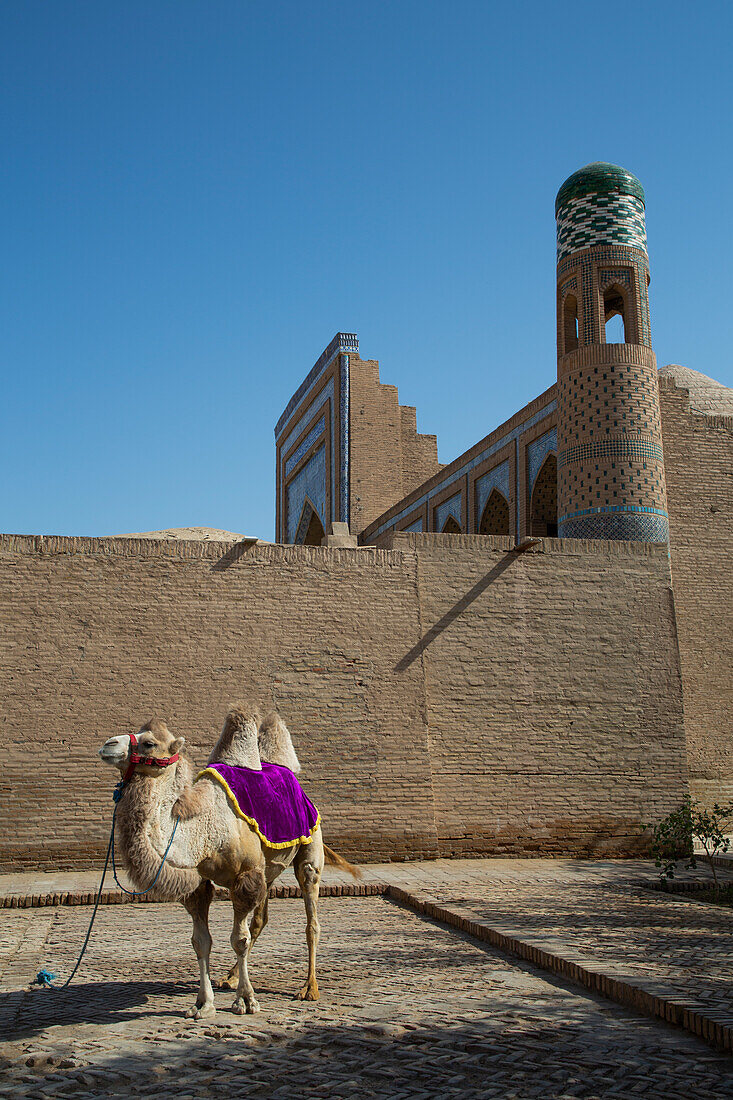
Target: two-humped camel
{"x":212,"y":844}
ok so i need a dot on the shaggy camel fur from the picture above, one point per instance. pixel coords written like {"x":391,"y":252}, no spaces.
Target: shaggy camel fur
{"x":212,"y":844}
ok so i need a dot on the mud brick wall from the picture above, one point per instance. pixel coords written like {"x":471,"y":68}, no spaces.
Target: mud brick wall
{"x":389,"y":457}
{"x":553,"y":693}
{"x":103,"y":634}
{"x":698,"y":459}
{"x":446,"y":695}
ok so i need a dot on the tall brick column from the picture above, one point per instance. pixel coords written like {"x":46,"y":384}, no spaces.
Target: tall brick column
{"x":609,"y":437}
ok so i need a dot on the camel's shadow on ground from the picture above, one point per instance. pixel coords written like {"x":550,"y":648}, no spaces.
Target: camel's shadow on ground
{"x":36,"y":1010}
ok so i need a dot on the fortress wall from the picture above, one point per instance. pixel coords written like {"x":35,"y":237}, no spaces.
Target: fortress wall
{"x":553,"y":683}
{"x":102,"y":634}
{"x":698,"y":458}
{"x":550,"y":682}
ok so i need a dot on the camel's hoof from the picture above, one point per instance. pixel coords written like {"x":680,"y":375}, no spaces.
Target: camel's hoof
{"x":227,"y":983}
{"x":201,"y":1012}
{"x":309,"y":992}
{"x":240,"y":1006}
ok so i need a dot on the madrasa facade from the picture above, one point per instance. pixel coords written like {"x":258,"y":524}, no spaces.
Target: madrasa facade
{"x":613,"y":450}
{"x":527,"y":651}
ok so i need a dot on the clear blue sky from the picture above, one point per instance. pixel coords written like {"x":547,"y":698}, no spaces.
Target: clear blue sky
{"x":197,"y":195}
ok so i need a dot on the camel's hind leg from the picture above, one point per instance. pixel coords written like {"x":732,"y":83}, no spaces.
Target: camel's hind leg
{"x":197,"y":904}
{"x":308,"y":869}
{"x":259,"y":920}
{"x":248,"y":895}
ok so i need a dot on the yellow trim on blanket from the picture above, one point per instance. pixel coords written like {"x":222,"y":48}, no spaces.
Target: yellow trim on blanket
{"x":213,"y":774}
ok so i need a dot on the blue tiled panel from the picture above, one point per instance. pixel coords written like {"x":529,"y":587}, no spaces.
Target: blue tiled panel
{"x":450,"y":507}
{"x":498,"y":478}
{"x":295,"y":432}
{"x":537,"y":452}
{"x":344,"y":513}
{"x":455,"y":475}
{"x":631,"y":526}
{"x":308,"y":442}
{"x":311,"y":483}
{"x":416,"y":526}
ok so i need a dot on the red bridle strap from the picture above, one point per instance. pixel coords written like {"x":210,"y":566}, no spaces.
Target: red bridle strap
{"x":136,"y":758}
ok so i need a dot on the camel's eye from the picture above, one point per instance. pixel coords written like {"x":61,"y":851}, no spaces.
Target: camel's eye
{"x":147,"y":745}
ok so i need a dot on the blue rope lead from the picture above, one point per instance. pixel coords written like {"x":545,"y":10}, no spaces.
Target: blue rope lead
{"x":139,"y":893}
{"x":44,"y":978}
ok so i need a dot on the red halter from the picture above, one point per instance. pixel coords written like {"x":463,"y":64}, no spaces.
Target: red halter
{"x":136,"y":758}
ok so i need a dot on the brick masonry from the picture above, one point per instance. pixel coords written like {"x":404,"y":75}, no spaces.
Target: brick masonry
{"x":698,"y":459}
{"x":427,"y":686}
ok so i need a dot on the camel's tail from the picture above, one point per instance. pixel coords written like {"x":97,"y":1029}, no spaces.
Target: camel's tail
{"x":335,"y":860}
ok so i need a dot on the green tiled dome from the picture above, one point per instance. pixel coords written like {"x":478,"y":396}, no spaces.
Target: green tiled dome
{"x":599,"y":178}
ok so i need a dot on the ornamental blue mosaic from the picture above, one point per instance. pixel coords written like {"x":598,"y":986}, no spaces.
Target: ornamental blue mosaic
{"x":537,"y":452}
{"x":305,"y":445}
{"x":450,"y":507}
{"x":460,"y":471}
{"x":308,"y":484}
{"x":498,"y":479}
{"x":629,"y":449}
{"x":621,"y":526}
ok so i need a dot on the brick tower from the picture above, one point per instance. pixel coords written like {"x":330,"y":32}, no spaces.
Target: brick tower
{"x":609,"y":438}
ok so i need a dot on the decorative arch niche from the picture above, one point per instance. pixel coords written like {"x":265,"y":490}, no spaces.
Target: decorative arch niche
{"x":543,"y":505}
{"x":495,"y":516}
{"x":310,"y":529}
{"x":451,"y":527}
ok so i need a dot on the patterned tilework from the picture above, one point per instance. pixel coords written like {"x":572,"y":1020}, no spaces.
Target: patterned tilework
{"x":596,"y":263}
{"x":343,"y":514}
{"x":611,"y":448}
{"x":498,"y":478}
{"x":610,"y":453}
{"x":595,"y":219}
{"x":416,"y":526}
{"x":629,"y":526}
{"x":302,"y":447}
{"x":614,"y":275}
{"x":460,"y":472}
{"x":450,"y":507}
{"x":342,"y":342}
{"x":309,"y":482}
{"x":537,"y":452}
{"x":299,"y":413}
{"x":494,"y":517}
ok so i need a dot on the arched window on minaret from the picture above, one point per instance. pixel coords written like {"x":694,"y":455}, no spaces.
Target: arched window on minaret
{"x":614,"y":314}
{"x":570,"y":323}
{"x":495,"y":516}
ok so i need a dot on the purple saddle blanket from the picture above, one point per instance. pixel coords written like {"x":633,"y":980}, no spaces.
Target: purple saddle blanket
{"x":271,"y":801}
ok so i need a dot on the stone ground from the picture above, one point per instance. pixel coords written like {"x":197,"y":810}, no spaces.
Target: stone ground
{"x":409,"y":1007}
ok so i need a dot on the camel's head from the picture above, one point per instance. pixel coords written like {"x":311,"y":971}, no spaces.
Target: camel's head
{"x":154,"y":741}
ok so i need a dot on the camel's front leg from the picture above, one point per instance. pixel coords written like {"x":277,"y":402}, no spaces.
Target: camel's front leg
{"x":197,"y":905}
{"x":257,"y":925}
{"x":247,"y":897}
{"x":308,"y":873}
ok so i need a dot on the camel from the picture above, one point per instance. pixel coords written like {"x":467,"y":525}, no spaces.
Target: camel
{"x":211,"y":843}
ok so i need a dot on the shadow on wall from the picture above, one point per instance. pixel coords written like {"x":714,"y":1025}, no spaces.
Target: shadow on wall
{"x":451,"y":615}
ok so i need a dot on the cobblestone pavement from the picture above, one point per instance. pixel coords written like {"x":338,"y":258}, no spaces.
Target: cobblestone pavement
{"x":673,"y":947}
{"x":408,"y":1009}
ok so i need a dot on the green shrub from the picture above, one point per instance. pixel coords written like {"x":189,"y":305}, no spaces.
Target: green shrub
{"x":674,"y":836}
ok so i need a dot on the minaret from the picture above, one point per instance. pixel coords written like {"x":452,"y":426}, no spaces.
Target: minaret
{"x":609,"y":435}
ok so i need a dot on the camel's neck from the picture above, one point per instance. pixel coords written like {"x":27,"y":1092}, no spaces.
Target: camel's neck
{"x":146,"y":823}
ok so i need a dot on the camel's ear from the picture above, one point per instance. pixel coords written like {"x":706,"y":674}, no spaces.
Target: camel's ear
{"x":177,"y":745}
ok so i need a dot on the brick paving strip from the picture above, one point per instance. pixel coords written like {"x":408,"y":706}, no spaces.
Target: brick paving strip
{"x":591,"y":923}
